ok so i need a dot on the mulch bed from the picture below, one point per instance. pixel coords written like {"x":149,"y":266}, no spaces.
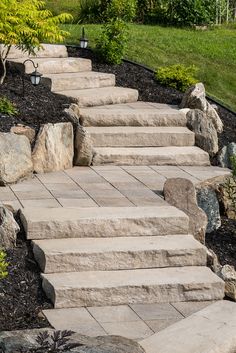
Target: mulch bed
{"x":21,"y":295}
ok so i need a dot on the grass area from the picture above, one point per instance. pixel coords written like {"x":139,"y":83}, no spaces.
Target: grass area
{"x":212,"y":51}
{"x":59,"y":6}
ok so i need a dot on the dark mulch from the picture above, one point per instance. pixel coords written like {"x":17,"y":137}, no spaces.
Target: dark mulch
{"x":21,"y":295}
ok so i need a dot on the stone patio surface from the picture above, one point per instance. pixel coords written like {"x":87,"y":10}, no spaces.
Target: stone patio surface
{"x":101,"y":186}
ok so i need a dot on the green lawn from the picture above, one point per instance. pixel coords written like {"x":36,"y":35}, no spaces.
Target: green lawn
{"x":212,"y":51}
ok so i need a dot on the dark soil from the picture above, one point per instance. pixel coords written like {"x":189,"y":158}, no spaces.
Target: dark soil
{"x":21,"y":297}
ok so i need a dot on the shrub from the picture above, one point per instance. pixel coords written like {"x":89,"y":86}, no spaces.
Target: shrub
{"x":3,"y":265}
{"x":90,"y":11}
{"x":6,"y":107}
{"x":112,"y":43}
{"x":177,"y":76}
{"x":123,"y":9}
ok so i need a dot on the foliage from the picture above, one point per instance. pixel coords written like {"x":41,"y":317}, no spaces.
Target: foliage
{"x":123,"y":9}
{"x":3,"y":265}
{"x":90,"y":11}
{"x":6,"y":107}
{"x":26,"y":24}
{"x":69,"y":6}
{"x":233,"y":165}
{"x":177,"y":76}
{"x":111,"y":44}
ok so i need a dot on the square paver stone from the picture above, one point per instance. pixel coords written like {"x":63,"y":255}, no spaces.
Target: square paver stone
{"x":161,"y":324}
{"x":189,"y":308}
{"x":15,"y":204}
{"x":73,"y":203}
{"x":6,"y":194}
{"x":49,"y":203}
{"x":119,"y":313}
{"x":135,"y":330}
{"x":76,"y":319}
{"x":156,"y":311}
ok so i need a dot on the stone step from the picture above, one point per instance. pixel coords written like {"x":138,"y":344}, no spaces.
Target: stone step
{"x":55,"y":65}
{"x":79,"y":80}
{"x":105,"y":95}
{"x":46,"y":223}
{"x":98,"y":288}
{"x":47,"y":51}
{"x":92,"y":254}
{"x":127,"y":116}
{"x":210,"y":330}
{"x":190,"y":155}
{"x":141,"y":136}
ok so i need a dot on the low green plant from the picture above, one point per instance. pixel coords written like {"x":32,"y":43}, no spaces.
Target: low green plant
{"x":90,"y":11}
{"x":111,"y":44}
{"x":3,"y":265}
{"x":233,"y":165}
{"x":7,"y":107}
{"x":177,"y":76}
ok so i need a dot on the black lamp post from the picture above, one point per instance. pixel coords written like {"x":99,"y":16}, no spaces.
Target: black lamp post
{"x":35,"y":76}
{"x":83,"y":41}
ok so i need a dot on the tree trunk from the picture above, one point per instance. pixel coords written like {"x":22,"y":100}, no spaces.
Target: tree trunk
{"x":3,"y":70}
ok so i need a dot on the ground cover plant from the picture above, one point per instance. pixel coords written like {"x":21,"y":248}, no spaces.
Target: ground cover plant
{"x":212,"y":51}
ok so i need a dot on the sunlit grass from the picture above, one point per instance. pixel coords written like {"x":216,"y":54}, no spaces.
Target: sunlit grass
{"x":212,"y":51}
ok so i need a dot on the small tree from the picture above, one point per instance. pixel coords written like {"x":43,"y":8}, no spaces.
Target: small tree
{"x":26,"y":24}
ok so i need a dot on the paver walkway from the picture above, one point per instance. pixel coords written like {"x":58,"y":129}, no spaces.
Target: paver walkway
{"x":101,"y":186}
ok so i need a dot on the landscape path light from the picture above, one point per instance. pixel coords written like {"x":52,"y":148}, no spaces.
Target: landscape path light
{"x":83,"y":42}
{"x":35,"y":76}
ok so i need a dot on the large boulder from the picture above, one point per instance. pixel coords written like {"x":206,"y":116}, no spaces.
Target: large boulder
{"x":83,"y":147}
{"x":205,"y":132}
{"x":24,"y":341}
{"x":225,"y":154}
{"x":180,"y":192}
{"x":195,"y":98}
{"x":8,"y":228}
{"x":54,"y":148}
{"x":208,"y":202}
{"x":15,"y":158}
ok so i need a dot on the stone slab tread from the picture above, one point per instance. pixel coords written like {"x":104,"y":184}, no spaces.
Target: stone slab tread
{"x":84,"y":254}
{"x":132,"y":136}
{"x":91,"y":288}
{"x":173,"y":155}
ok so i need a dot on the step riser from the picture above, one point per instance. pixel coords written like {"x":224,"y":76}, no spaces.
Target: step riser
{"x":162,"y":293}
{"x":131,"y":119}
{"x":69,"y":83}
{"x":116,"y":260}
{"x":160,"y":159}
{"x":66,"y":65}
{"x":48,"y":51}
{"x":108,"y":228}
{"x":142,"y":139}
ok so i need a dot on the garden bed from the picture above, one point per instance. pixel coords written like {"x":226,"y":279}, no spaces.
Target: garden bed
{"x":21,"y":295}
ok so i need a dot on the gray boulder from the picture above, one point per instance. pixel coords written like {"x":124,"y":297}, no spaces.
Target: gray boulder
{"x":205,"y":133}
{"x":15,"y":158}
{"x":8,"y":228}
{"x":15,"y":341}
{"x":207,"y":200}
{"x":225,"y":154}
{"x":73,"y":113}
{"x":195,"y":98}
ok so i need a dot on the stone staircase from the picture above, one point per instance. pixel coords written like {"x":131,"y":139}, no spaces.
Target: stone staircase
{"x":123,"y":130}
{"x":119,"y":255}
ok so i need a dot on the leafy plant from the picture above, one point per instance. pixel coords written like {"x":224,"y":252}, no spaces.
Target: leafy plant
{"x":3,"y":265}
{"x":6,"y":107}
{"x":112,"y":43}
{"x":26,"y":24}
{"x":233,"y":165}
{"x":123,"y":9}
{"x":177,"y":76}
{"x":90,"y":11}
